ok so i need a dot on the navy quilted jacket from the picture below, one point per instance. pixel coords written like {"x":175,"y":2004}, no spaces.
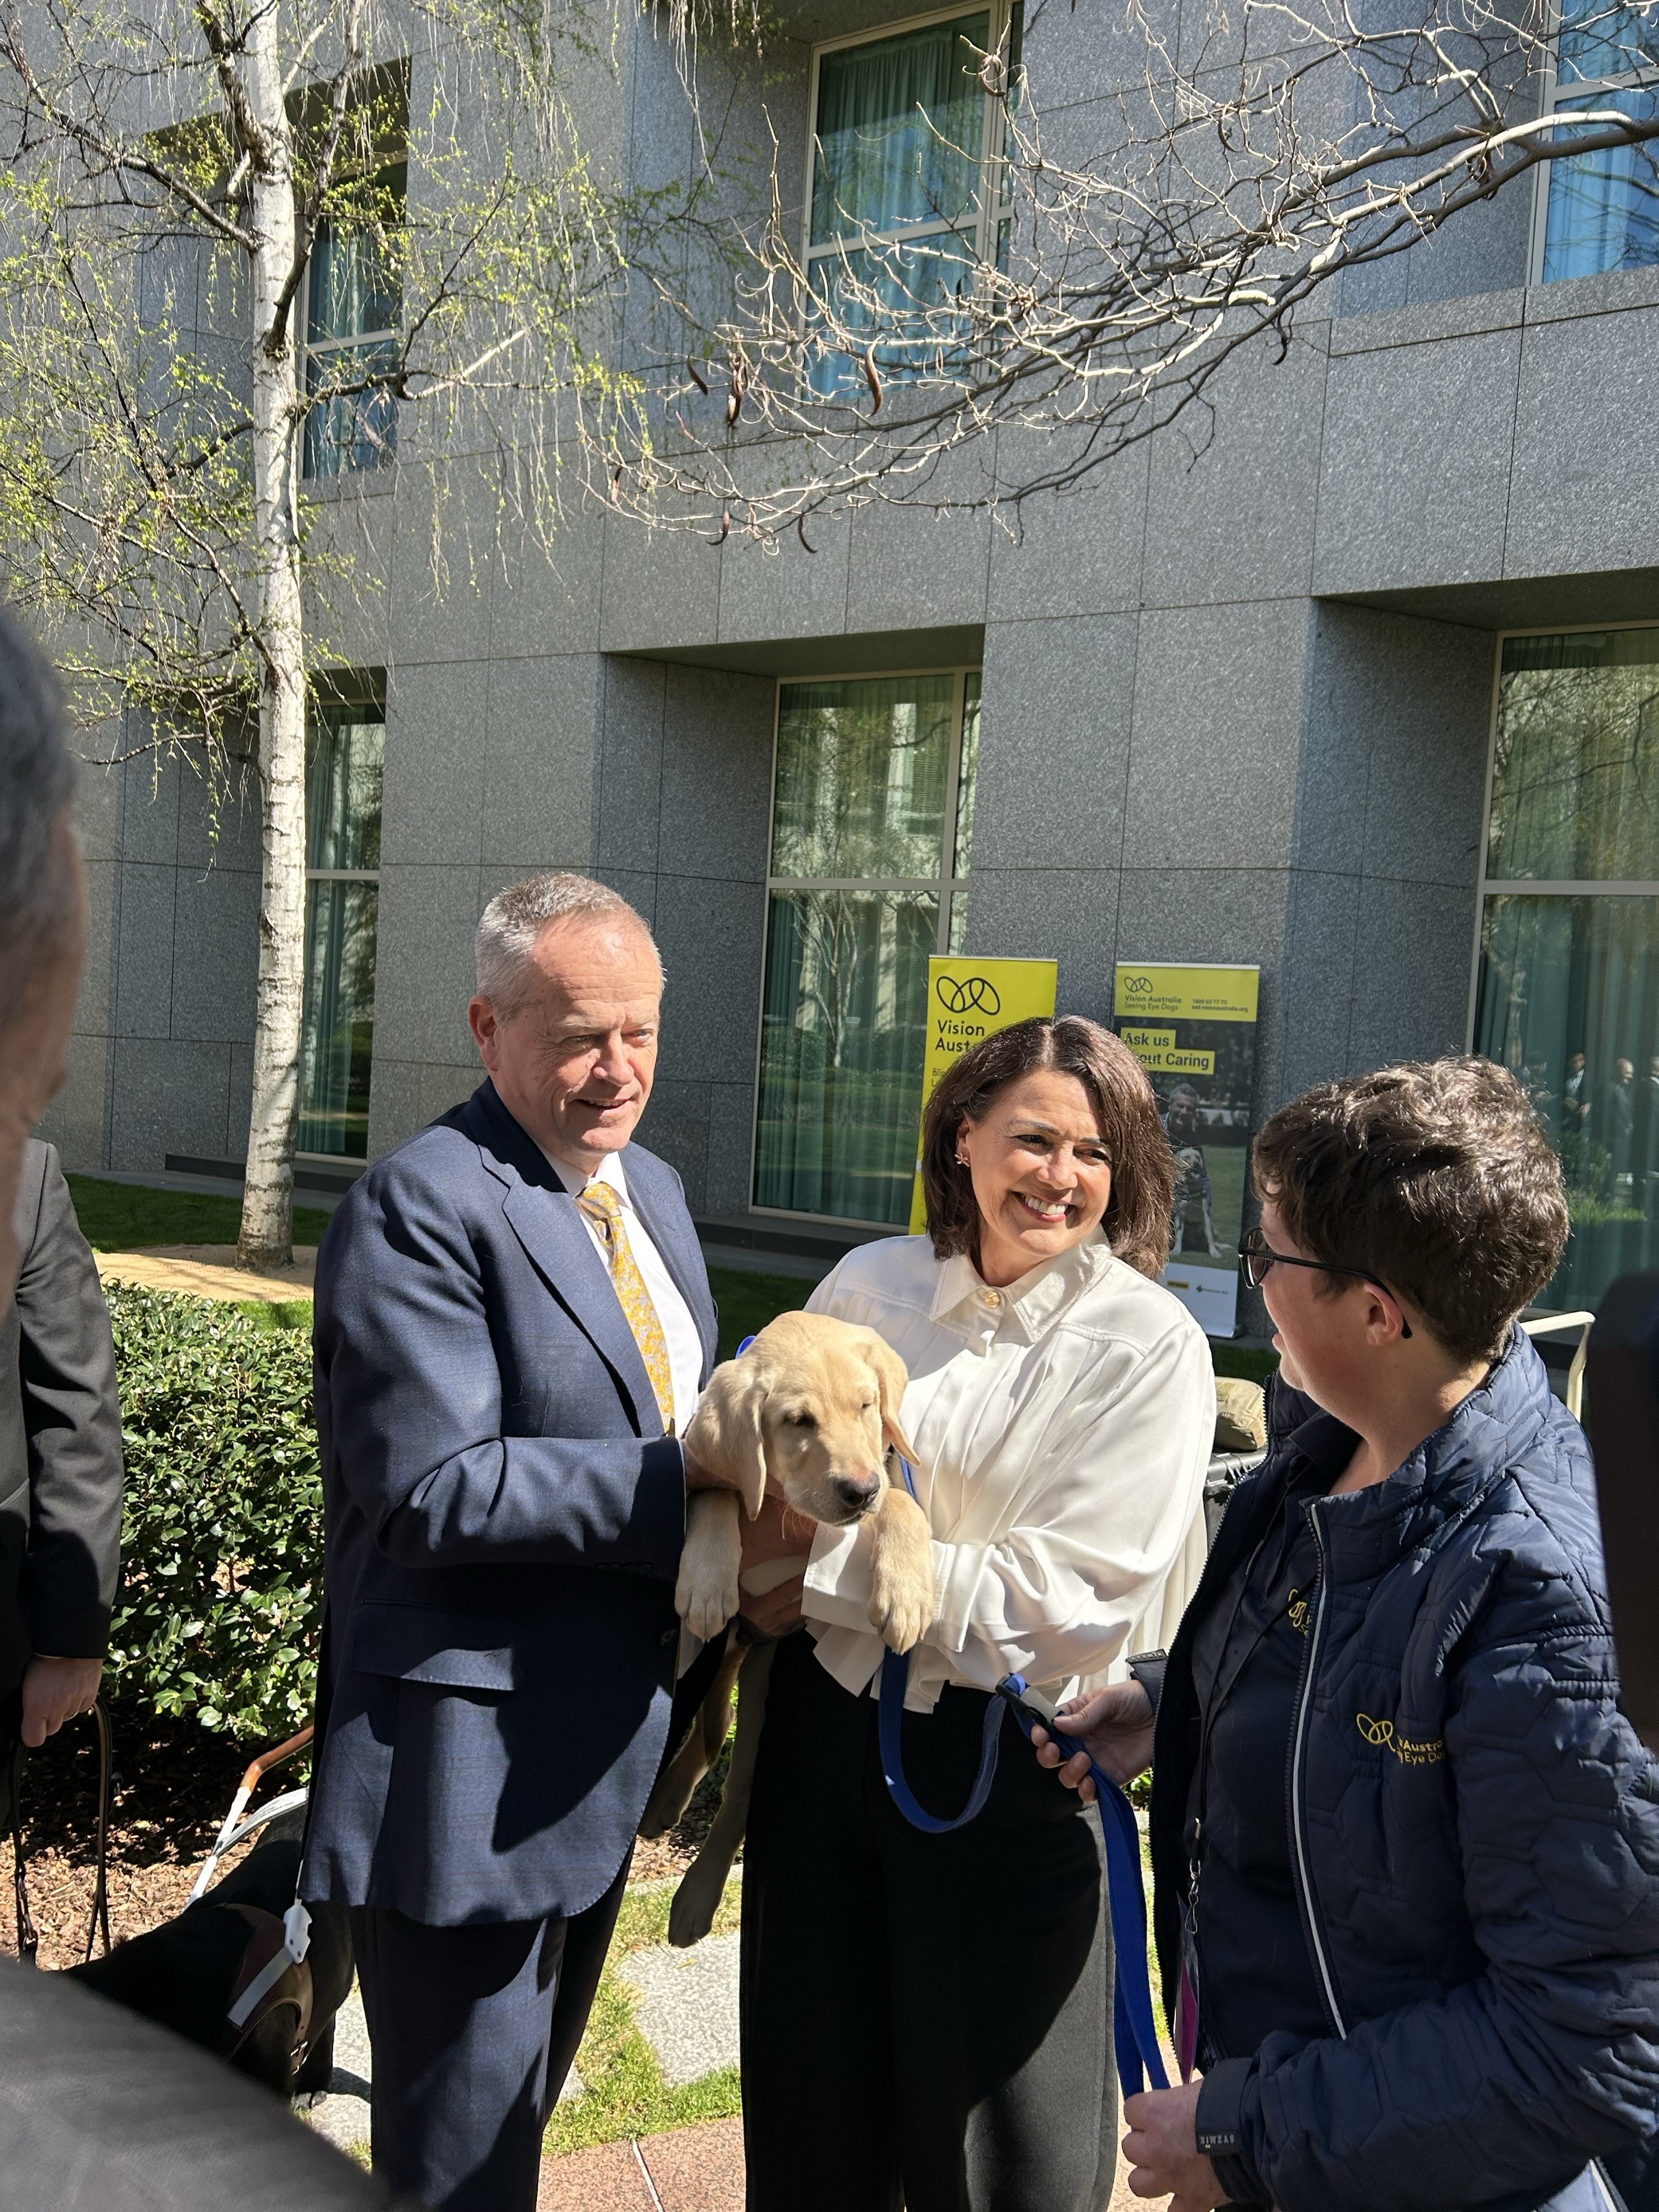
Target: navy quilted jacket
{"x":1474,"y":1826}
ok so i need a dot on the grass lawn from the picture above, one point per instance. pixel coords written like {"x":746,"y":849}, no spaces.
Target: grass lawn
{"x":124,"y":1217}
{"x":626,"y":2092}
{"x":748,"y":1301}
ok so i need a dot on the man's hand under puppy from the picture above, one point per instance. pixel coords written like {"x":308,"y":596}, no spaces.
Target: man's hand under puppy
{"x":1162,"y":2149}
{"x":775,"y":1533}
{"x":1115,"y":1728}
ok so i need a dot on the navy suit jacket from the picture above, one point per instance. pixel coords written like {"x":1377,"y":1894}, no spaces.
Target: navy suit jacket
{"x":504,"y":1520}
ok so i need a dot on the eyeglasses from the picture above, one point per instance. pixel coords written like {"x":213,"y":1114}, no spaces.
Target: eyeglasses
{"x":1256,"y":1257}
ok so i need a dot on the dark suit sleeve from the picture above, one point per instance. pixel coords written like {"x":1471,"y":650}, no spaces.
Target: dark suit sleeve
{"x":410,"y":1391}
{"x":72,"y":1415}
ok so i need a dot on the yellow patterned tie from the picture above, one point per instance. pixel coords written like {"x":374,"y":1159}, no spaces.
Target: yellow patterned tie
{"x":600,"y":1203}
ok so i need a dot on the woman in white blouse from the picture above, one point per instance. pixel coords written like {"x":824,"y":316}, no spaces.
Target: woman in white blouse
{"x":927,"y":2020}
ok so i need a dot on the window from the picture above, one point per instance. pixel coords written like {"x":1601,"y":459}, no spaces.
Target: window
{"x":354,"y":303}
{"x":1568,"y":987}
{"x":1601,"y":211}
{"x":905,"y":199}
{"x":873,"y":816}
{"x":345,"y":754}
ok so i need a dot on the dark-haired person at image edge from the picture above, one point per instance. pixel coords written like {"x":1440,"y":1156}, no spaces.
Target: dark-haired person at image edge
{"x":97,"y":2106}
{"x":1406,"y":1844}
{"x":927,"y":2019}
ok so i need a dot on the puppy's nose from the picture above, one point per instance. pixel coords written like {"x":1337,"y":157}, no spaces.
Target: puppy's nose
{"x":856,"y":1492}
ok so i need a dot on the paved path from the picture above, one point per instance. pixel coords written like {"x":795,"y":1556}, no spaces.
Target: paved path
{"x":686,"y":2008}
{"x":210,"y":1271}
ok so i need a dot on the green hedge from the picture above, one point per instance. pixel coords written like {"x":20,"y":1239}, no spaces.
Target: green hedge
{"x":221,"y":1540}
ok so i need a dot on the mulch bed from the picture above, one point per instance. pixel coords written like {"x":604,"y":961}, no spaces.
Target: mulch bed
{"x":173,"y":1781}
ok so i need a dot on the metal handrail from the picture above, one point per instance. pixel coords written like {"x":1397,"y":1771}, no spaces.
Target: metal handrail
{"x":1557,"y":1324}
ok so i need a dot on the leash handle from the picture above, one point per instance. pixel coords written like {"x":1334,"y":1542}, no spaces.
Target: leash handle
{"x":28,"y":1940}
{"x":1134,"y":2026}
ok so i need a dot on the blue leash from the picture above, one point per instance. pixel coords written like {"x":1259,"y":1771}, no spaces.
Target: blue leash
{"x":1134,"y":2030}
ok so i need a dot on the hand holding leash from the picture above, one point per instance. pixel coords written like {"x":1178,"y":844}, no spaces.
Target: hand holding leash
{"x":1112,"y":1728}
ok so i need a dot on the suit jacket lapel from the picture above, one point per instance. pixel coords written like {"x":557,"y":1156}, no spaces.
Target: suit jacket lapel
{"x":681,"y":1254}
{"x":544,"y":1219}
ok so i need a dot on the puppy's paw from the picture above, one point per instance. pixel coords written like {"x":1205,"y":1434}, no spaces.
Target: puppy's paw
{"x":706,"y":1596}
{"x":900,"y":1606}
{"x":902,"y":1600}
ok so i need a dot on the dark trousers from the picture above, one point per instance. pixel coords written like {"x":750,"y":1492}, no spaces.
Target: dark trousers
{"x":473,"y":2031}
{"x":927,"y":2020}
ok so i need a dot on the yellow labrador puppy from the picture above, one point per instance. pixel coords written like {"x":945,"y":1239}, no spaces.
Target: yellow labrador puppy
{"x":809,"y":1412}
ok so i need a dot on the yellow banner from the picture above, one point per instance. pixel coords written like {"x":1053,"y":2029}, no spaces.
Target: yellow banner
{"x":968,"y":1000}
{"x":1207,"y":994}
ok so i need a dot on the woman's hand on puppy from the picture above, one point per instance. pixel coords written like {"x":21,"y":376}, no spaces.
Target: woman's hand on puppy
{"x":1116,"y":1729}
{"x":775,"y":1533}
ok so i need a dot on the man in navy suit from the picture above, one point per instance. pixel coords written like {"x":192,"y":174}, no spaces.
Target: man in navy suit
{"x":512,"y":1323}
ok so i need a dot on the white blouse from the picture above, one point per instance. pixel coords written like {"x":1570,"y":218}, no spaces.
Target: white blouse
{"x":1063,"y":1425}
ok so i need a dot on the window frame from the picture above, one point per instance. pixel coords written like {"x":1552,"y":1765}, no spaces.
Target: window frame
{"x":948,"y":886}
{"x":1563,"y":887}
{"x":315,"y":349}
{"x":1534,"y":886}
{"x":993,"y":206}
{"x":367,"y":703}
{"x":1549,"y":105}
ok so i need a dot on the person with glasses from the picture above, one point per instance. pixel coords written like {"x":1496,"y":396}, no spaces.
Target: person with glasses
{"x":1406,"y":1844}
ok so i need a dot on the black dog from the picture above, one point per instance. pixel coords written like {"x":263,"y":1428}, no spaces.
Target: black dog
{"x":186,"y":1974}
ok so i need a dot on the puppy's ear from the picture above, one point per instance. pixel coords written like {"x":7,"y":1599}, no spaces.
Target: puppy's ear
{"x":724,"y":1433}
{"x":892,"y":1376}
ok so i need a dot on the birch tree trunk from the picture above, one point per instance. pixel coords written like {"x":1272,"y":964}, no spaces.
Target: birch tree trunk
{"x":267,"y":1228}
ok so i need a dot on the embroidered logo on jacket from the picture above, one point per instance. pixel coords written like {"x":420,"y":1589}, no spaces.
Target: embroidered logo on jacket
{"x":1410,"y":1751}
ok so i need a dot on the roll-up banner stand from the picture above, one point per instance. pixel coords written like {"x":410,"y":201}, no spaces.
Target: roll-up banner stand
{"x":967,"y":1000}
{"x":1193,"y":1031}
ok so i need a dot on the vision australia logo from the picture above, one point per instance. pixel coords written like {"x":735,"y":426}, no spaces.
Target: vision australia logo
{"x":1137,"y":986}
{"x":968,"y":994}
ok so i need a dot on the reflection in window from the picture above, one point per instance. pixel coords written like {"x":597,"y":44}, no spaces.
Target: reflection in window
{"x":345,"y":756}
{"x":906,"y":189}
{"x":872,"y":820}
{"x":354,"y":306}
{"x":1569,"y":984}
{"x":1602,"y":207}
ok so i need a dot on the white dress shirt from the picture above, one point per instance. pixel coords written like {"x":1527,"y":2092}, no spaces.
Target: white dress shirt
{"x":1064,"y":1426}
{"x":685,"y":1344}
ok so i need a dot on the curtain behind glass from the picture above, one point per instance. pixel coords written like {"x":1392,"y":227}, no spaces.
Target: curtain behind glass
{"x":1569,"y":999}
{"x":1604,"y":207}
{"x":842,"y":1035}
{"x":345,"y":767}
{"x":344,"y":780}
{"x":900,"y":123}
{"x":338,"y":1036}
{"x":861,"y":777}
{"x":1598,"y":39}
{"x":354,"y":291}
{"x":1575,"y":774}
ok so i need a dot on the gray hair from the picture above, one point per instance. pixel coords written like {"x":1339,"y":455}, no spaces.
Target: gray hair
{"x":511,"y":927}
{"x":37,"y":783}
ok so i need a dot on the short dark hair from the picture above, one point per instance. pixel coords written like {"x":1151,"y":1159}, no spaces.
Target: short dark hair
{"x":1138,"y":1217}
{"x":1435,"y":1177}
{"x":37,"y":783}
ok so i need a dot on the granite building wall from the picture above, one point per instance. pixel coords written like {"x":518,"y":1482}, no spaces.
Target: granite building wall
{"x":1237,"y":694}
